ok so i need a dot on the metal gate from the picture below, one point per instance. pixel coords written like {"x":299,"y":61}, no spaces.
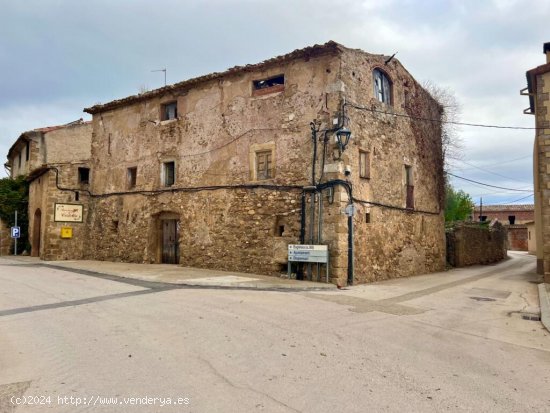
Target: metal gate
{"x":170,"y":241}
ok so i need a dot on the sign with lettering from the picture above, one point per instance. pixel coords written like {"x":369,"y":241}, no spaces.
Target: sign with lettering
{"x":68,"y":213}
{"x":308,"y":253}
{"x":15,"y":232}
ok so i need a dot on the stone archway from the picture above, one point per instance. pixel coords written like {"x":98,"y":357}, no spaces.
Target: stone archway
{"x":36,"y":233}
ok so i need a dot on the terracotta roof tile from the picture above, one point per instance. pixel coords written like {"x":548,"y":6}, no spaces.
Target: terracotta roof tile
{"x":511,"y":207}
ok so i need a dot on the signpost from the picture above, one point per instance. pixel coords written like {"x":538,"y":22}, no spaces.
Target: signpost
{"x":15,"y":233}
{"x":308,"y":253}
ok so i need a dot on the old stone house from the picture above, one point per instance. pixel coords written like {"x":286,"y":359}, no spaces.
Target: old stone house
{"x":225,"y":170}
{"x":56,"y":162}
{"x":514,"y":217}
{"x":538,"y":90}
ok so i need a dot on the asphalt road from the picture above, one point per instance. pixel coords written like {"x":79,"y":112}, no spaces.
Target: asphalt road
{"x":452,"y":342}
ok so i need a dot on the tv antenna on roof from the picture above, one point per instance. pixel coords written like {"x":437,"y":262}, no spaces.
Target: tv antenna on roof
{"x":161,"y":70}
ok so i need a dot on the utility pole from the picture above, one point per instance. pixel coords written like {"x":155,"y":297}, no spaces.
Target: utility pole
{"x":480,"y":208}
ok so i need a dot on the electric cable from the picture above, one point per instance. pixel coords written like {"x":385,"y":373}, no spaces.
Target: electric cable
{"x":492,"y":186}
{"x":402,"y":115}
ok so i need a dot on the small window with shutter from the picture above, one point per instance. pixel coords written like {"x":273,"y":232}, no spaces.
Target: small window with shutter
{"x":364,"y":164}
{"x":264,"y":165}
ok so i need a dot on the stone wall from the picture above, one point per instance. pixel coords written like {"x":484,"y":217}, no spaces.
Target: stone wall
{"x":69,"y":143}
{"x":531,"y":238}
{"x":212,"y":142}
{"x":5,"y":239}
{"x":541,"y":172}
{"x":44,"y":232}
{"x":391,"y":241}
{"x":65,"y":150}
{"x":471,"y":244}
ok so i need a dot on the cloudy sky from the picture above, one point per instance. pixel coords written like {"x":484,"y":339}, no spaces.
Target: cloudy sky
{"x":59,"y":56}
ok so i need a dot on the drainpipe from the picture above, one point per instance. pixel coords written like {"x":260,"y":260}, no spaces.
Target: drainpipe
{"x":300,"y":269}
{"x":314,"y":131}
{"x":350,"y":250}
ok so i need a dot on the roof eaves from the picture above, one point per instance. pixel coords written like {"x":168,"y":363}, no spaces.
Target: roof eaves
{"x":307,"y":52}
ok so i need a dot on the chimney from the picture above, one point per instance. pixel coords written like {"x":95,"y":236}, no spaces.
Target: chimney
{"x":546,"y":51}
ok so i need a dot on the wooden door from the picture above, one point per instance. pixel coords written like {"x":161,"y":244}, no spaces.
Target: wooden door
{"x":170,"y":241}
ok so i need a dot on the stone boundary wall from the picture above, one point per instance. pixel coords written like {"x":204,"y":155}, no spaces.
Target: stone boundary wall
{"x":471,"y":244}
{"x":5,"y":239}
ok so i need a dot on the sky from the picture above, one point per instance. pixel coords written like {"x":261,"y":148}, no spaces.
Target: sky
{"x":60,"y":56}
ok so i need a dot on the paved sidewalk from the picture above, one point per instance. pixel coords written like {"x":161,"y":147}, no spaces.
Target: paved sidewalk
{"x":174,"y":274}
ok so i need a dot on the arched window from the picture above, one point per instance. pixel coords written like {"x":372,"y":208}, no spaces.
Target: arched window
{"x":382,"y":86}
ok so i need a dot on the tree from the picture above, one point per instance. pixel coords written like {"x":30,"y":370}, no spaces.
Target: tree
{"x":14,"y":196}
{"x":450,"y":139}
{"x":458,"y":204}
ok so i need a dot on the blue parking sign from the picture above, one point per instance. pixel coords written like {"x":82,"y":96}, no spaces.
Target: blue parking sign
{"x":15,"y":232}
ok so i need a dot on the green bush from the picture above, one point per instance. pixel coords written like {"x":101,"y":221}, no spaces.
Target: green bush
{"x":14,"y":196}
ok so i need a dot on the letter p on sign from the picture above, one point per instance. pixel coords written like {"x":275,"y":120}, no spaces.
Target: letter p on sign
{"x":15,"y":232}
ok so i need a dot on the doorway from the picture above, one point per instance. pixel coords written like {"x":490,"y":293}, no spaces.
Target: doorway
{"x":36,"y":227}
{"x":170,"y":241}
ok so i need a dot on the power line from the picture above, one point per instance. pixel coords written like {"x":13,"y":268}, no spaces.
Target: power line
{"x":491,"y":172}
{"x":503,"y":162}
{"x":484,"y":184}
{"x":515,"y":200}
{"x":402,"y":115}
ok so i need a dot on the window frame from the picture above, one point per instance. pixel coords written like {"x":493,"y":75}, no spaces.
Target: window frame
{"x":165,"y":175}
{"x":81,"y":180}
{"x":409,"y":187}
{"x":131,"y":177}
{"x":253,"y":150}
{"x":164,"y":114}
{"x":383,"y":91}
{"x":258,"y":90}
{"x":366,"y":154}
{"x":267,"y":173}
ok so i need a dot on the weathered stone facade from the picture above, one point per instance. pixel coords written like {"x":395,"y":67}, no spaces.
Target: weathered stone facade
{"x":52,"y":157}
{"x":192,"y":155}
{"x":472,"y":244}
{"x":5,"y":238}
{"x":531,"y":238}
{"x":538,"y":89}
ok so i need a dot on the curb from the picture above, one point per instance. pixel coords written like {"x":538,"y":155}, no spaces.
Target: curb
{"x":544,"y":297}
{"x":192,"y":283}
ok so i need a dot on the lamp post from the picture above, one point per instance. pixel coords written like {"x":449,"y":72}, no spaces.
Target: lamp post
{"x":343,"y":135}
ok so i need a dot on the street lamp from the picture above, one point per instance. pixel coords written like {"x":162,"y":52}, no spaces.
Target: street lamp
{"x":343,"y":135}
